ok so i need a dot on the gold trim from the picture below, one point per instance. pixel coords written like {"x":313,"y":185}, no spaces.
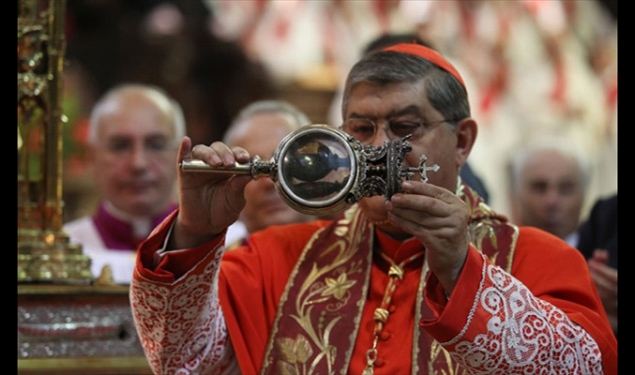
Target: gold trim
{"x":46,"y":289}
{"x":84,"y":365}
{"x":358,"y":318}
{"x":416,"y":328}
{"x":452,"y":368}
{"x":336,"y":288}
{"x":512,"y":251}
{"x":285,"y":296}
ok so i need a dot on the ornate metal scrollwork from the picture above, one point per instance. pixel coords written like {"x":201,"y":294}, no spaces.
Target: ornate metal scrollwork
{"x":382,"y":169}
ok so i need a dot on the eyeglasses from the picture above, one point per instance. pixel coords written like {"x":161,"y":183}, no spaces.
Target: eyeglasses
{"x":365,"y":130}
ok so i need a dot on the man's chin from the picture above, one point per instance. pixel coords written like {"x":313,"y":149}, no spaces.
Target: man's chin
{"x":393,"y":230}
{"x":144,"y":208}
{"x":281,"y":217}
{"x":374,"y":208}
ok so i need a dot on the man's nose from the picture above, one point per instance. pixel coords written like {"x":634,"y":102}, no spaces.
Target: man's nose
{"x":381,"y":135}
{"x":139,"y":157}
{"x":552,"y":197}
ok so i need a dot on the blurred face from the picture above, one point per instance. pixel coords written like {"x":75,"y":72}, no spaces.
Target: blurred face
{"x":134,"y":156}
{"x":398,"y":109}
{"x":260,"y":134}
{"x":549,"y":195}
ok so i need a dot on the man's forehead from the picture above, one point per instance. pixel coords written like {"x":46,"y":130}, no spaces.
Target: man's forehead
{"x":555,"y":172}
{"x":552,"y":159}
{"x":389,"y":100}
{"x":133,"y":130}
{"x":258,"y":123}
{"x":122,"y":133}
{"x":138,"y":117}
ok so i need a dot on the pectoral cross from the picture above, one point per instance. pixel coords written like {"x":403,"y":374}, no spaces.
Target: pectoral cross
{"x":422,"y":169}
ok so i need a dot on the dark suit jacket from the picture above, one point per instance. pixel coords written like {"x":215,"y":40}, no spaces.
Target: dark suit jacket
{"x":600,"y":230}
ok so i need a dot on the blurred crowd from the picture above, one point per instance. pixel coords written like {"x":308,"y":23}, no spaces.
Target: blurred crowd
{"x":533,"y":68}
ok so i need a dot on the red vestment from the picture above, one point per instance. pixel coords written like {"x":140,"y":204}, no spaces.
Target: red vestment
{"x":179,"y":323}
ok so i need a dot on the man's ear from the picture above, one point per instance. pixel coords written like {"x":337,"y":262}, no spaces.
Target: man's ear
{"x":466,"y":131}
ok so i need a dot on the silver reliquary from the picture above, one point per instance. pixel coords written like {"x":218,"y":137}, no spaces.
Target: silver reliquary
{"x":320,"y":170}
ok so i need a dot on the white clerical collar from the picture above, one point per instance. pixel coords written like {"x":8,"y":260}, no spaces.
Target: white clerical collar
{"x":141,"y":226}
{"x":572,"y":239}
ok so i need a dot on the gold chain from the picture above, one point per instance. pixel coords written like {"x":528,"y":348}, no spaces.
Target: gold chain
{"x":381,"y":314}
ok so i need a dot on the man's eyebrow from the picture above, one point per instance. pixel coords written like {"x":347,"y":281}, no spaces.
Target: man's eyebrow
{"x":156,"y":135}
{"x":119,"y":137}
{"x":357,"y":115}
{"x":409,"y":110}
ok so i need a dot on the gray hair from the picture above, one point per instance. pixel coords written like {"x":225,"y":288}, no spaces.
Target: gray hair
{"x":519,"y":159}
{"x":167,"y":105}
{"x":444,"y":92}
{"x":298,"y":117}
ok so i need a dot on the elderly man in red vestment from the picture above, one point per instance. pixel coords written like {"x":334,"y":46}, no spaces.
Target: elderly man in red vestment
{"x":430,"y":281}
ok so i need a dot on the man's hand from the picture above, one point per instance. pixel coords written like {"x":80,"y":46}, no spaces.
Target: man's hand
{"x":208,"y":203}
{"x":439,"y":219}
{"x":605,"y":279}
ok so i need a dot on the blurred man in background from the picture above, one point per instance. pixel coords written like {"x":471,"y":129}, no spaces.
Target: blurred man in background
{"x":547,"y":183}
{"x":259,"y":128}
{"x":598,"y":243}
{"x":133,"y":139}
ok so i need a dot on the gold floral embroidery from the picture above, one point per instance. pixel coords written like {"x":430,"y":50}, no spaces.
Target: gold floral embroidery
{"x":337,"y":287}
{"x":329,"y":283}
{"x":341,"y":231}
{"x":295,"y":353}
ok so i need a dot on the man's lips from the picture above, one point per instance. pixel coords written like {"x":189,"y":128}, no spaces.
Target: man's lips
{"x":139,"y":185}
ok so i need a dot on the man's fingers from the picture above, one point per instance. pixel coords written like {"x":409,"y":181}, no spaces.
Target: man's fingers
{"x":601,"y":255}
{"x":217,"y":154}
{"x":224,"y":152}
{"x":606,"y":272}
{"x":206,"y":154}
{"x":430,"y":190}
{"x":421,"y":218}
{"x":241,"y":155}
{"x":184,"y":149}
{"x":421,"y":203}
{"x":601,"y":282}
{"x":424,"y":197}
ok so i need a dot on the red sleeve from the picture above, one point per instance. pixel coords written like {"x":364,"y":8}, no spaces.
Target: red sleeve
{"x":175,"y":306}
{"x":449,"y":314}
{"x":174,"y":263}
{"x":540,"y":260}
{"x":548,"y":310}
